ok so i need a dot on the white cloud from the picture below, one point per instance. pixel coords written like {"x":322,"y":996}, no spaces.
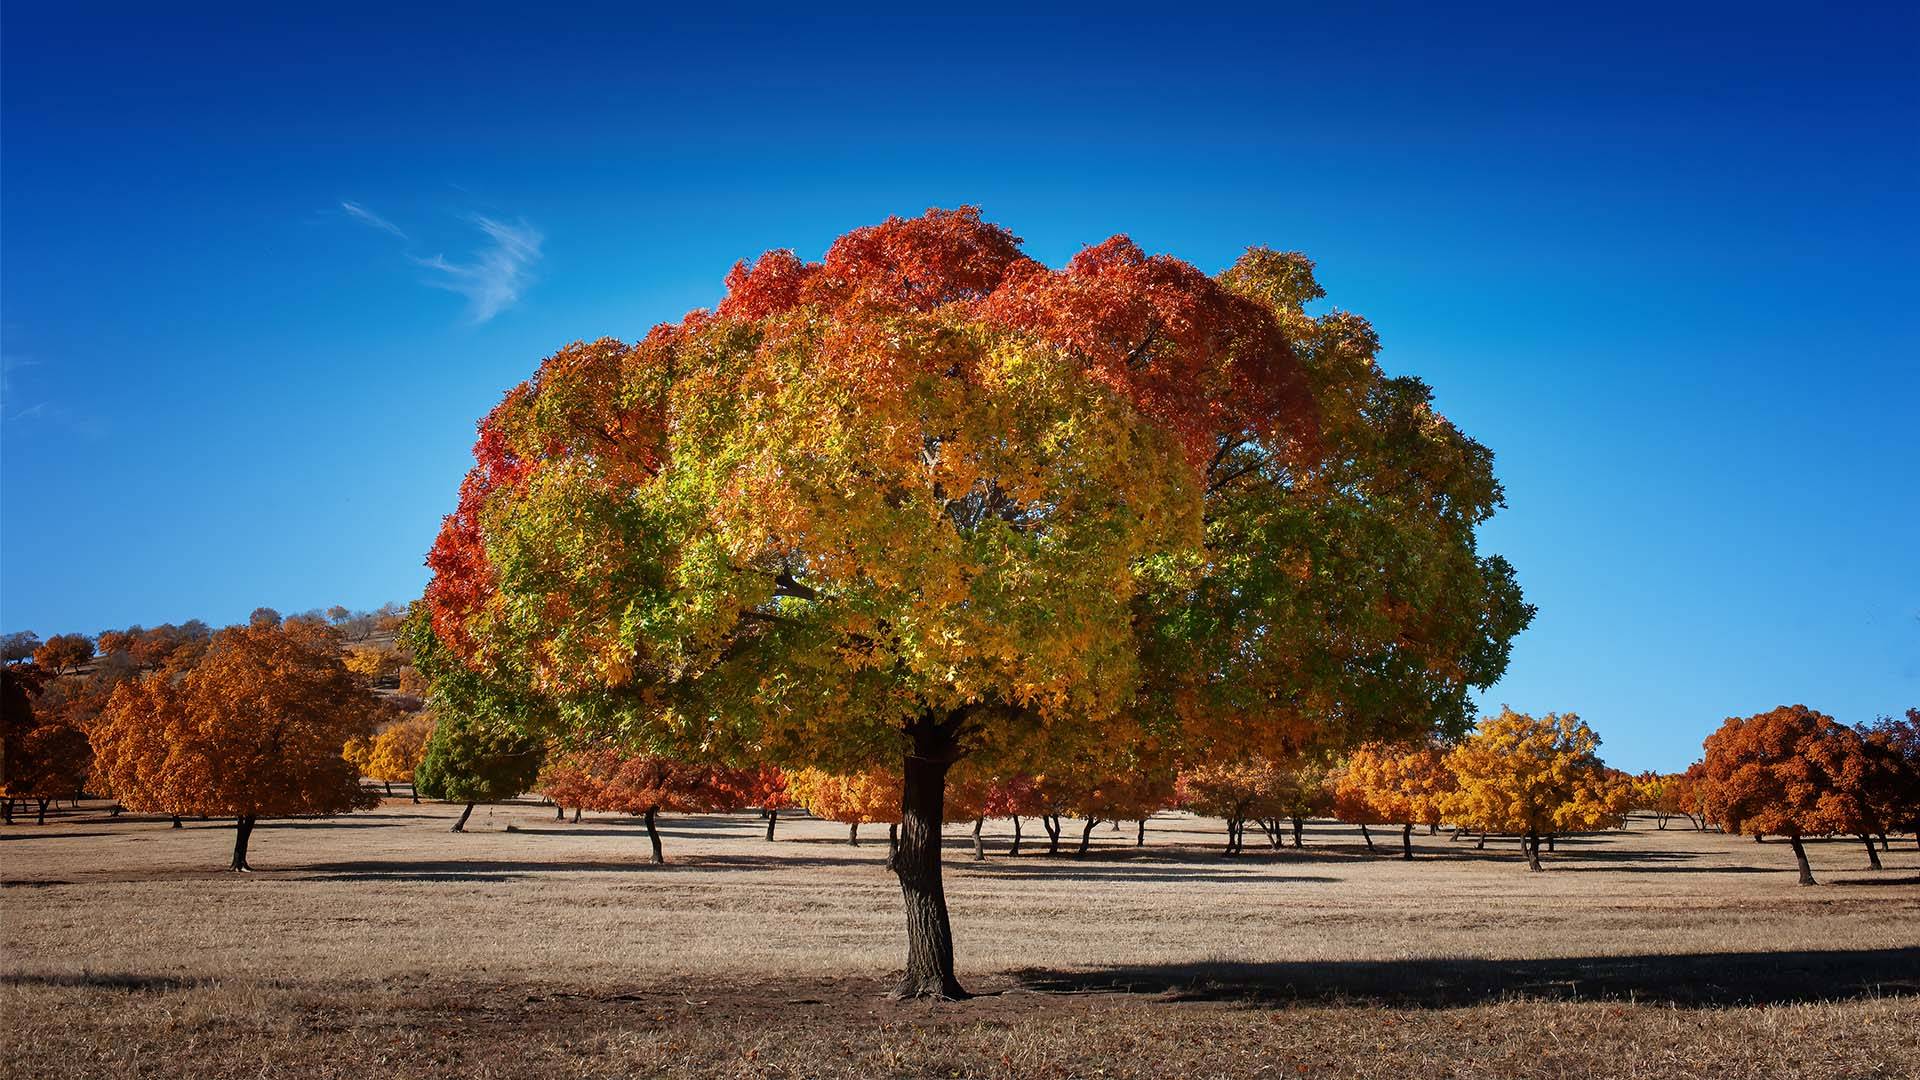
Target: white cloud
{"x":495,"y":277}
{"x":356,"y":210}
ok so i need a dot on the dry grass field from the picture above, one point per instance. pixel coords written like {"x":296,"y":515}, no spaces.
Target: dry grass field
{"x":382,"y":945}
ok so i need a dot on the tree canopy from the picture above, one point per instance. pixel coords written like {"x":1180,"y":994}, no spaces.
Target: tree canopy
{"x":927,"y":498}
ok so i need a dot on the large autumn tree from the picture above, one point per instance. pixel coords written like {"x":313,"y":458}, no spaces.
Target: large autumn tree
{"x":250,"y":729}
{"x":1786,"y":772}
{"x":1534,"y":777}
{"x":928,"y":498}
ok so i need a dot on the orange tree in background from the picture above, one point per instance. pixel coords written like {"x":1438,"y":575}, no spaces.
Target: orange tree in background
{"x":765,"y":788}
{"x":62,"y":654}
{"x":1784,"y":773}
{"x":852,"y":799}
{"x":42,"y":757}
{"x":1896,"y":792}
{"x":1532,"y":777}
{"x":252,"y":730}
{"x":1386,"y":785}
{"x":646,"y":784}
{"x":928,"y":499}
{"x":397,"y":751}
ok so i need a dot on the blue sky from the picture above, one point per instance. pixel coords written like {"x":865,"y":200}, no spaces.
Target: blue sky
{"x":259,"y":278}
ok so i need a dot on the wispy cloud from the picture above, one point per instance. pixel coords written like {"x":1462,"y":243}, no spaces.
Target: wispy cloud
{"x":495,"y":277}
{"x":354,"y":209}
{"x":39,"y":412}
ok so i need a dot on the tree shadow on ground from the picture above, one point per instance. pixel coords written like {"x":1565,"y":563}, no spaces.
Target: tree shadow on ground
{"x":1081,"y":870}
{"x":501,"y":869}
{"x":1707,"y":980}
{"x":102,"y":981}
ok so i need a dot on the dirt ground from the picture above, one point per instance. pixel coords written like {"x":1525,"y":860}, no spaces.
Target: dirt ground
{"x":381,"y":944}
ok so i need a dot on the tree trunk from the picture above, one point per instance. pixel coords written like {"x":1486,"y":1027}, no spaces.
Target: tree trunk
{"x":1231,"y":831}
{"x":1296,"y":833}
{"x":176,"y":822}
{"x":1086,"y":836}
{"x":1015,"y":851}
{"x":1140,"y":837}
{"x":413,"y":792}
{"x":41,"y":816}
{"x":773,"y":818}
{"x":116,"y":810}
{"x":1433,"y":828}
{"x":979,"y":848}
{"x":1551,"y":837}
{"x":461,"y":825}
{"x":7,"y":813}
{"x":559,"y":812}
{"x":242,"y":831}
{"x":1366,"y":835}
{"x":1052,"y":824}
{"x":915,"y":860}
{"x":576,"y":815}
{"x":1406,"y":840}
{"x":853,"y":834}
{"x":1482,"y":845}
{"x":1873,"y":857}
{"x":1800,"y":855}
{"x":388,"y":784}
{"x":653,"y":836}
{"x":893,"y":838}
{"x":1531,"y":843}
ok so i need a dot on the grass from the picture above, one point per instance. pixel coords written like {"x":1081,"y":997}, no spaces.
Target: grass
{"x":382,"y":944}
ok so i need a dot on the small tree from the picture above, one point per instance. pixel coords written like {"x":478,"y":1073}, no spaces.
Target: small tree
{"x":396,"y":752}
{"x":253,"y":730}
{"x":1781,"y":772}
{"x":1533,"y":777}
{"x":468,"y":760}
{"x":41,"y":756}
{"x":62,"y":654}
{"x":1894,"y":743}
{"x":1405,"y":786}
{"x":852,"y":799}
{"x":766,"y":788}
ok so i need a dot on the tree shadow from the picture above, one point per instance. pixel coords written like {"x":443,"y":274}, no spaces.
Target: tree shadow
{"x":1706,"y":980}
{"x":504,"y":869}
{"x":102,"y":981}
{"x":1084,"y":871}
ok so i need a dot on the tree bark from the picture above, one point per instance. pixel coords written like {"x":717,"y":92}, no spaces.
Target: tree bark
{"x":388,"y":784}
{"x":653,"y":836}
{"x":41,"y":815}
{"x":1800,"y":855}
{"x":576,"y":815}
{"x":242,"y":832}
{"x":1366,"y":835}
{"x":1873,"y":857}
{"x":176,"y":822}
{"x":853,"y":834}
{"x":8,"y":813}
{"x":979,"y":848}
{"x":461,"y":825}
{"x":1531,"y":842}
{"x":934,"y":747}
{"x":1086,"y":836}
{"x":1551,"y":837}
{"x":1015,"y":850}
{"x":559,"y":812}
{"x":1297,"y":823}
{"x":1140,"y":837}
{"x":773,"y":818}
{"x":413,"y":792}
{"x":1482,"y":845}
{"x":893,"y":838}
{"x":1052,"y":825}
{"x":1406,"y":840}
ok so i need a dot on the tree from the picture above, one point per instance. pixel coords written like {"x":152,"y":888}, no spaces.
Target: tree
{"x":263,"y":616}
{"x":42,"y":757}
{"x":375,"y":664}
{"x":1782,"y":773}
{"x":253,"y":729}
{"x":1121,"y":791}
{"x":927,"y":499}
{"x":568,"y":779}
{"x":395,"y":754}
{"x":19,"y":645}
{"x":472,"y":760}
{"x":646,"y":784}
{"x":766,"y":788}
{"x":1405,"y":786}
{"x":853,"y":799}
{"x":1895,"y":741}
{"x":62,"y":654}
{"x":1532,"y":777}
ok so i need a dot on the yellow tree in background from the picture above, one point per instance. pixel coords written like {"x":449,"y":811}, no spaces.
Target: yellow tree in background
{"x":1385,"y":785}
{"x":1532,"y":777}
{"x":398,"y":750}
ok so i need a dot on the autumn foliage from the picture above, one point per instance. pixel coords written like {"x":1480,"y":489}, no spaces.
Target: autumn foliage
{"x":253,"y":729}
{"x":1385,"y":785}
{"x":1534,"y":777}
{"x":1789,"y":772}
{"x":927,"y":500}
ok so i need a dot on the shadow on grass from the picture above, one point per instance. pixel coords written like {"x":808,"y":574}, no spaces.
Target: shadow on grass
{"x":503,"y":869}
{"x":102,"y":981}
{"x":1707,"y":980}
